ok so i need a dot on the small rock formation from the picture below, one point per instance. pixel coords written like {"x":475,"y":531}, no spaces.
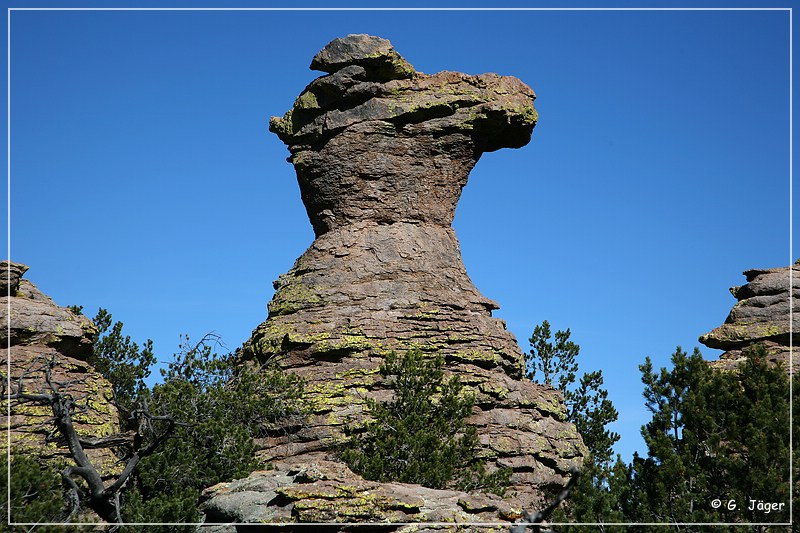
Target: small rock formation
{"x":40,"y":332}
{"x":381,"y":154}
{"x":761,"y":316}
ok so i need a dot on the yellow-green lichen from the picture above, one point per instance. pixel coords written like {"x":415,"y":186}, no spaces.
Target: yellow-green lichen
{"x":348,"y":343}
{"x":504,"y":445}
{"x":270,"y":336}
{"x":327,"y":397}
{"x":364,"y":377}
{"x":306,"y":100}
{"x":480,"y":358}
{"x":496,"y":391}
{"x":292,"y":297}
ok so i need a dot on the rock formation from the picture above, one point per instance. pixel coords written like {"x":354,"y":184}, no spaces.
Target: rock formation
{"x":42,"y":332}
{"x":761,"y":316}
{"x":327,"y":491}
{"x":382,"y":153}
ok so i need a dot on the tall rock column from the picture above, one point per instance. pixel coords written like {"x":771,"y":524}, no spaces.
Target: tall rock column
{"x":382,"y":153}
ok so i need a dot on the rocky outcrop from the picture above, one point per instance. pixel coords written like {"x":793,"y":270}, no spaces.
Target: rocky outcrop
{"x":326,"y":491}
{"x":382,"y":153}
{"x":761,"y":316}
{"x":42,"y":333}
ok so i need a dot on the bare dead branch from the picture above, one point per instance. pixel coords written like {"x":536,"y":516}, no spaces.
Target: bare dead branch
{"x":73,"y":492}
{"x":105,"y":501}
{"x":109,"y":441}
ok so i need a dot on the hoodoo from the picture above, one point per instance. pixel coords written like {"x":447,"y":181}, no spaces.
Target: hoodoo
{"x":382,"y":153}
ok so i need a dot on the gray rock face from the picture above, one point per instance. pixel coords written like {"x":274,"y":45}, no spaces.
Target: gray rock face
{"x":325,"y":491}
{"x":760,"y":316}
{"x":381,"y":154}
{"x":41,"y":331}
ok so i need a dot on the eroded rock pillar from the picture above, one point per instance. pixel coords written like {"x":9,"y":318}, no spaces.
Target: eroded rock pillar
{"x":382,"y":153}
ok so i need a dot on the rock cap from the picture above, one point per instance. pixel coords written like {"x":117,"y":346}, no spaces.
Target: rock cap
{"x":375,"y":55}
{"x":10,"y":274}
{"x":370,"y":86}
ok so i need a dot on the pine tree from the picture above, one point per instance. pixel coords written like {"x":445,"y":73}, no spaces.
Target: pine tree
{"x":120,"y":360}
{"x":421,"y":435}
{"x":589,"y":408}
{"x":714,"y":435}
{"x":34,"y":495}
{"x":222,"y":405}
{"x":192,"y":430}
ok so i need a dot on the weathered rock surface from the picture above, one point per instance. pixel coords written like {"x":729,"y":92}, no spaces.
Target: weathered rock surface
{"x":382,"y":153}
{"x":324,"y":491}
{"x":40,"y":332}
{"x":761,"y":316}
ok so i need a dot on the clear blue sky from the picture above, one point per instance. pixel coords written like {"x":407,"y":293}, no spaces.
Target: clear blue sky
{"x":144,"y":180}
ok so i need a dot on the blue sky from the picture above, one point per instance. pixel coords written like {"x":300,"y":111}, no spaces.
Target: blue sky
{"x":144,"y":180}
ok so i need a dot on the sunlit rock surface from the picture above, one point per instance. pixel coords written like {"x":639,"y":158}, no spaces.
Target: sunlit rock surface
{"x":760,"y":316}
{"x":42,"y":333}
{"x":382,"y":153}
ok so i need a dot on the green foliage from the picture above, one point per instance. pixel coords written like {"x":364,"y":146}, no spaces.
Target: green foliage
{"x":421,"y":435}
{"x":120,"y":361}
{"x":192,"y":430}
{"x":588,"y":406}
{"x":713,"y":434}
{"x":555,"y":357}
{"x":591,"y":411}
{"x":221,"y":405}
{"x":36,"y":495}
{"x":179,"y":507}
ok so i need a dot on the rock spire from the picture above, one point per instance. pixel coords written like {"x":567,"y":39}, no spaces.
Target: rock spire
{"x":382,"y":153}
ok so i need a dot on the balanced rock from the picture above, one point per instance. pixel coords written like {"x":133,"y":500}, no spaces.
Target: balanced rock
{"x":43,"y":334}
{"x":761,"y":316}
{"x":382,"y":153}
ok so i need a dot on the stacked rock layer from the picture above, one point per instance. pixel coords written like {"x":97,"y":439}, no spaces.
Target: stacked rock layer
{"x":42,"y":333}
{"x":382,"y":153}
{"x":761,"y":316}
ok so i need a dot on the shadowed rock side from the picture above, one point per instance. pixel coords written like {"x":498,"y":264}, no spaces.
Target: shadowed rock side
{"x":381,"y":154}
{"x":761,"y":316}
{"x":40,"y":332}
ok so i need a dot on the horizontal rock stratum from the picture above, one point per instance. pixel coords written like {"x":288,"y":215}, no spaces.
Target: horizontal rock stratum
{"x":382,"y":153}
{"x":762,"y":316}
